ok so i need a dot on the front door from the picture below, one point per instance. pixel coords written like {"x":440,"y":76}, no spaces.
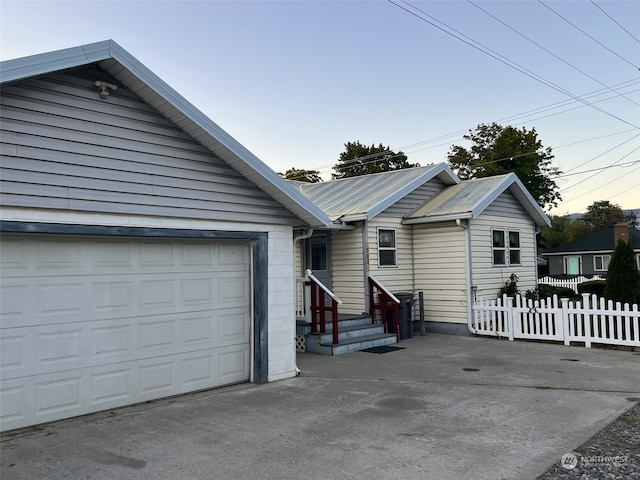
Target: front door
{"x":317,"y":256}
{"x":572,"y":265}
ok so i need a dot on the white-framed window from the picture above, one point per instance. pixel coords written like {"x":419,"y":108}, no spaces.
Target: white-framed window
{"x":601,"y":262}
{"x":499,"y":247}
{"x":505,"y":247}
{"x":514,"y":248}
{"x":638,"y":259}
{"x":387,"y":249}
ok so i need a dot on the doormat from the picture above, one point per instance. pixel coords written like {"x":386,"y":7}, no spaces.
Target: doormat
{"x":382,"y":349}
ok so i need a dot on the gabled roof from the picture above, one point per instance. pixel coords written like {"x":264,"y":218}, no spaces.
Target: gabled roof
{"x":364,"y":197}
{"x":470,"y":198}
{"x":600,"y":241}
{"x":139,"y":79}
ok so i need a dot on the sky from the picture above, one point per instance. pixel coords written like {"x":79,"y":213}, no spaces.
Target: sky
{"x":293,"y":81}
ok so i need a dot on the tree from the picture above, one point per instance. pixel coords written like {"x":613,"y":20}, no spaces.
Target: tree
{"x":562,"y":230}
{"x":632,"y":219}
{"x":623,"y":276}
{"x":358,"y":159}
{"x":302,"y":175}
{"x":497,"y":150}
{"x":603,"y":214}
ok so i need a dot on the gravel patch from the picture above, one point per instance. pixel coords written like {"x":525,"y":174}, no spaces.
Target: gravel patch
{"x":611,"y":454}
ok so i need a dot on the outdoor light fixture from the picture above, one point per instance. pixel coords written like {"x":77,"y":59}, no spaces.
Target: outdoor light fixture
{"x":105,"y":87}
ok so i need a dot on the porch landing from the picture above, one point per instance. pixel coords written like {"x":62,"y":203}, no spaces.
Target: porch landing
{"x":355,"y":332}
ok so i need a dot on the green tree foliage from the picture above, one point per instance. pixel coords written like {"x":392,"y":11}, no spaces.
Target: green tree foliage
{"x":562,"y":230}
{"x":632,"y":219}
{"x":358,"y":159}
{"x":497,"y":150}
{"x":302,"y":175}
{"x":603,"y":214}
{"x":623,"y":276}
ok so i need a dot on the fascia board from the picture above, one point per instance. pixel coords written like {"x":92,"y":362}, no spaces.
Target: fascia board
{"x":249,"y":165}
{"x":438,"y":218}
{"x":45,"y":63}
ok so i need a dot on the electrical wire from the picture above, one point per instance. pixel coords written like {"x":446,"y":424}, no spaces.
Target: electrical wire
{"x":585,"y":33}
{"x":590,"y":177}
{"x":614,"y":21}
{"x":491,"y":53}
{"x":551,"y":53}
{"x":603,"y":153}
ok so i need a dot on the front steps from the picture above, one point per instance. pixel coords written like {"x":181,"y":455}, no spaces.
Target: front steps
{"x":354,"y":333}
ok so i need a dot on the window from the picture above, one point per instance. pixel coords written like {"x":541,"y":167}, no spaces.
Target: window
{"x":505,"y":245}
{"x":601,"y":262}
{"x":387,"y":248}
{"x":499,"y":251}
{"x":638,"y":258}
{"x":514,"y":248}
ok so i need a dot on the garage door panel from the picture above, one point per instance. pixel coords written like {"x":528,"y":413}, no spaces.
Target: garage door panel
{"x":90,"y":324}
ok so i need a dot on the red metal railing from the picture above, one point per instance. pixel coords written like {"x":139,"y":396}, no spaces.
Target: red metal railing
{"x":319,"y":307}
{"x":387,"y":302}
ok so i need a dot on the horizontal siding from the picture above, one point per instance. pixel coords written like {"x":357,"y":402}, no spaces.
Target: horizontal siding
{"x":441,"y":272}
{"x":64,"y":147}
{"x":415,"y":199}
{"x":347,"y":269}
{"x":399,"y":278}
{"x":506,"y":206}
{"x":490,"y":279}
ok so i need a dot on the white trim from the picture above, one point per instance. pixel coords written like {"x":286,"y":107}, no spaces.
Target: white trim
{"x":602,"y":257}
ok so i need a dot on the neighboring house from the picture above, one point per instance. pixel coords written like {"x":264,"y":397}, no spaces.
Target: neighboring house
{"x":423,"y":230}
{"x":145,"y":253}
{"x":590,"y":255}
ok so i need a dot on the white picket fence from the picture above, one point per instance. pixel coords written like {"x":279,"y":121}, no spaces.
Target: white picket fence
{"x":571,"y":283}
{"x":591,"y":320}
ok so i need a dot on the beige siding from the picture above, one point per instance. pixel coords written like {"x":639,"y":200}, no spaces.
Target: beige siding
{"x":64,"y":147}
{"x":400,"y":277}
{"x":441,"y":271}
{"x":504,"y":213}
{"x":347,"y":270}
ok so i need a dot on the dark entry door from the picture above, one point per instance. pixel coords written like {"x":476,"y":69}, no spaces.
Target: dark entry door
{"x":318,"y":256}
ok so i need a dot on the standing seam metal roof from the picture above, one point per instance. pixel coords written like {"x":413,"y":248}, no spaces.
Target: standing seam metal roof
{"x":368,"y":195}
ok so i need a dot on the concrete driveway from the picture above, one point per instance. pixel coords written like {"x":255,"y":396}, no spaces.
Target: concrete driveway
{"x":442,"y":407}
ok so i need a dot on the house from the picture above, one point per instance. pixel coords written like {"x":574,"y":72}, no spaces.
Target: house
{"x":590,"y":255}
{"x":145,"y":252}
{"x":422,"y":230}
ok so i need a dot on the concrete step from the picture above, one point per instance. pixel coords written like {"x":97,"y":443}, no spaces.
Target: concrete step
{"x":353,"y":344}
{"x":345,"y":322}
{"x":347,"y":333}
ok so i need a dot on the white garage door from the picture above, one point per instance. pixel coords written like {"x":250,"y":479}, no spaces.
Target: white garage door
{"x":92,"y":323}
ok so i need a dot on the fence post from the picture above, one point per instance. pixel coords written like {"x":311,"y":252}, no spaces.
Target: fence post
{"x":564,"y":318}
{"x":588,"y":319}
{"x":509,"y":311}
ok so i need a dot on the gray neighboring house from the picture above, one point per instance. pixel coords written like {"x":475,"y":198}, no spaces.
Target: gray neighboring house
{"x":590,"y":255}
{"x":145,"y":252}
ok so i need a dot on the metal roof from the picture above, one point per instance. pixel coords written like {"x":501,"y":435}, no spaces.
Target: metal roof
{"x":364,"y":197}
{"x":470,"y":198}
{"x":143,"y":82}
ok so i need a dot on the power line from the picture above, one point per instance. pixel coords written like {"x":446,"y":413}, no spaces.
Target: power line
{"x":550,"y":52}
{"x":491,"y":53}
{"x":614,"y":21}
{"x":585,"y":33}
{"x":605,"y":184}
{"x":604,"y":153}
{"x":627,"y":164}
{"x":590,"y":177}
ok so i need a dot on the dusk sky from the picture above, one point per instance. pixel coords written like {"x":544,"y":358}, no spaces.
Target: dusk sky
{"x":294,"y":81}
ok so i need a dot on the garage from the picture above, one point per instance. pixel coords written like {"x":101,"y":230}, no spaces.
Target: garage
{"x":95,"y":322}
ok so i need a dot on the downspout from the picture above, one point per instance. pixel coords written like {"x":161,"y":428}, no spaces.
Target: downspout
{"x":467,"y":246}
{"x":536,"y":232}
{"x":365,"y":263}
{"x":303,"y":236}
